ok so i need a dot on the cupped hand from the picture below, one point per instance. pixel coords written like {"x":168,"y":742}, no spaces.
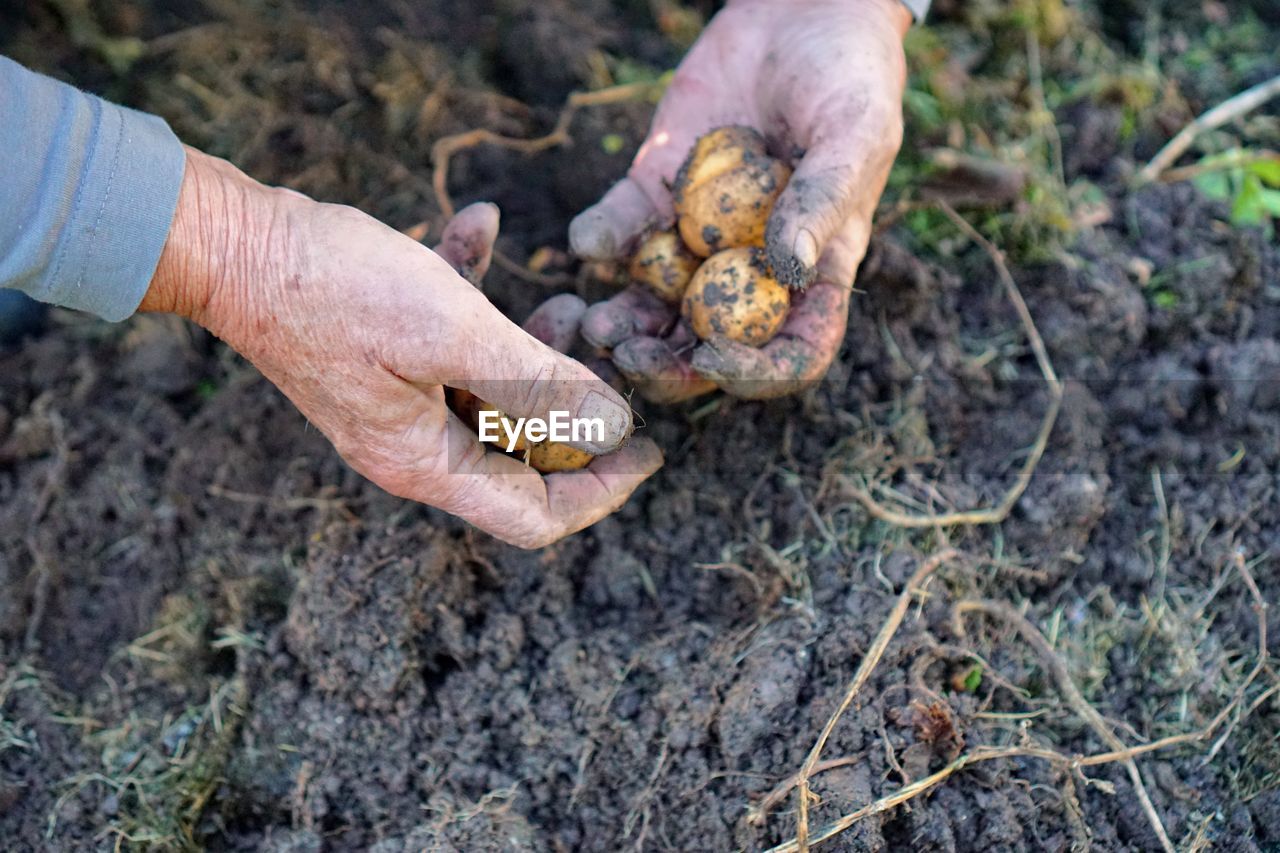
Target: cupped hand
{"x":823,"y":81}
{"x":361,"y":327}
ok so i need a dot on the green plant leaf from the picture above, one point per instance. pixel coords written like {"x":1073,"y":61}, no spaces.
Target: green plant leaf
{"x":973,"y":678}
{"x":612,"y":143}
{"x":1267,"y":170}
{"x":1249,"y":207}
{"x":923,"y":107}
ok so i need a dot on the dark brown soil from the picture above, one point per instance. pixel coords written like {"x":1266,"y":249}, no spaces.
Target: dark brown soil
{"x":216,"y":635}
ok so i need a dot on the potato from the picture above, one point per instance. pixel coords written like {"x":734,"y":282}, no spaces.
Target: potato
{"x":665,"y":264}
{"x":468,"y":407}
{"x":735,"y":295}
{"x":725,"y":190}
{"x":551,"y":456}
{"x":545,"y":456}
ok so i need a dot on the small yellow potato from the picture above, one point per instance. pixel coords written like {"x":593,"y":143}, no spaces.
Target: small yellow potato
{"x":468,"y":407}
{"x":544,"y":456}
{"x":735,"y":295}
{"x":665,"y":264}
{"x":725,"y":190}
{"x":550,"y":456}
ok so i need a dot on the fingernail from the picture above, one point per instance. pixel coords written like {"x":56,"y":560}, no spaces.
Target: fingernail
{"x":591,"y":237}
{"x":615,"y":416}
{"x":805,"y":248}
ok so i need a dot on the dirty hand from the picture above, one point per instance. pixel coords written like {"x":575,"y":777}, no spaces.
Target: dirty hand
{"x":823,"y":81}
{"x":360,"y":327}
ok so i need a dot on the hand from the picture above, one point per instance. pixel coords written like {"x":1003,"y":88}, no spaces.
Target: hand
{"x":823,"y":81}
{"x":360,"y":327}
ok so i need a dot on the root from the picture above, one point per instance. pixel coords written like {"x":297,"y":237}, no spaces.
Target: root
{"x":868,"y":665}
{"x":1232,"y":108}
{"x":446,"y":146}
{"x":997,"y":513}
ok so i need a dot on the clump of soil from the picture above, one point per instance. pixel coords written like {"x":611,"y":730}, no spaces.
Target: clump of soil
{"x":215,"y":634}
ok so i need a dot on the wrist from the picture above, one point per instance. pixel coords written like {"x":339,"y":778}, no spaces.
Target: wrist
{"x":217,"y":242}
{"x":893,"y":12}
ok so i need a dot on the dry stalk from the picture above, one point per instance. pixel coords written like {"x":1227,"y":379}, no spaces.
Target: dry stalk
{"x":446,"y":146}
{"x":994,"y":514}
{"x":1067,"y":687}
{"x":869,"y":661}
{"x":1071,"y":763}
{"x":1232,"y":108}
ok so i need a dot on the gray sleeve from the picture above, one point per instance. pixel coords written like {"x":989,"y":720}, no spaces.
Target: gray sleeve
{"x":919,"y":8}
{"x":87,"y":194}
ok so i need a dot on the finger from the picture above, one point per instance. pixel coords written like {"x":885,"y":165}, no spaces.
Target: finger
{"x":506,"y":498}
{"x":610,"y":228}
{"x":556,"y":321}
{"x":637,"y":310}
{"x":467,"y":241}
{"x":661,"y":373}
{"x":463,"y":341}
{"x":796,"y":358}
{"x":847,"y":164}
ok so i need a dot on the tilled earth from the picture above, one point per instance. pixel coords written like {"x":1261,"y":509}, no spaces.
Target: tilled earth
{"x":216,"y":635}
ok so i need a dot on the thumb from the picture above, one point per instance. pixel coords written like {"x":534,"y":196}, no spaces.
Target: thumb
{"x":607,"y":229}
{"x":480,"y":350}
{"x":848,"y":164}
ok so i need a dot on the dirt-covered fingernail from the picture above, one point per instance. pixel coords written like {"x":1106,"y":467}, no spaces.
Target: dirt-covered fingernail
{"x":805,"y":248}
{"x":794,"y":265}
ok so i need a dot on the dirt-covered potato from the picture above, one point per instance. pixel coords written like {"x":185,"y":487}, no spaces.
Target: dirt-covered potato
{"x":468,"y":407}
{"x":725,"y":190}
{"x":544,"y":456}
{"x":551,"y":456}
{"x":665,"y":264}
{"x":734,"y":295}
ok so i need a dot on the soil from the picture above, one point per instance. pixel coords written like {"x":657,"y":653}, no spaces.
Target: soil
{"x":215,"y":635}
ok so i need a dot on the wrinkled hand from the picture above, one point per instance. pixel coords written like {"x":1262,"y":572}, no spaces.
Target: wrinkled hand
{"x":823,"y":80}
{"x":361,"y":327}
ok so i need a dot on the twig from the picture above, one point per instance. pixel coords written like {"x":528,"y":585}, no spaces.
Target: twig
{"x":997,"y":513}
{"x":1232,"y":108}
{"x":1234,"y":160}
{"x":908,"y":792}
{"x":1166,"y":536}
{"x":1067,"y":686}
{"x":869,"y":661}
{"x":446,"y":146}
{"x":288,"y":503}
{"x":523,"y":273}
{"x":778,"y":794}
{"x":1035,"y":75}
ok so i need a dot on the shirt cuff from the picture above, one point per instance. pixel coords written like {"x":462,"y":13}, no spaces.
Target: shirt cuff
{"x":92,"y":198}
{"x":918,"y":8}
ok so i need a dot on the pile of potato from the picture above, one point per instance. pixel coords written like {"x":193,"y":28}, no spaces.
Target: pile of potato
{"x":713,"y":263}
